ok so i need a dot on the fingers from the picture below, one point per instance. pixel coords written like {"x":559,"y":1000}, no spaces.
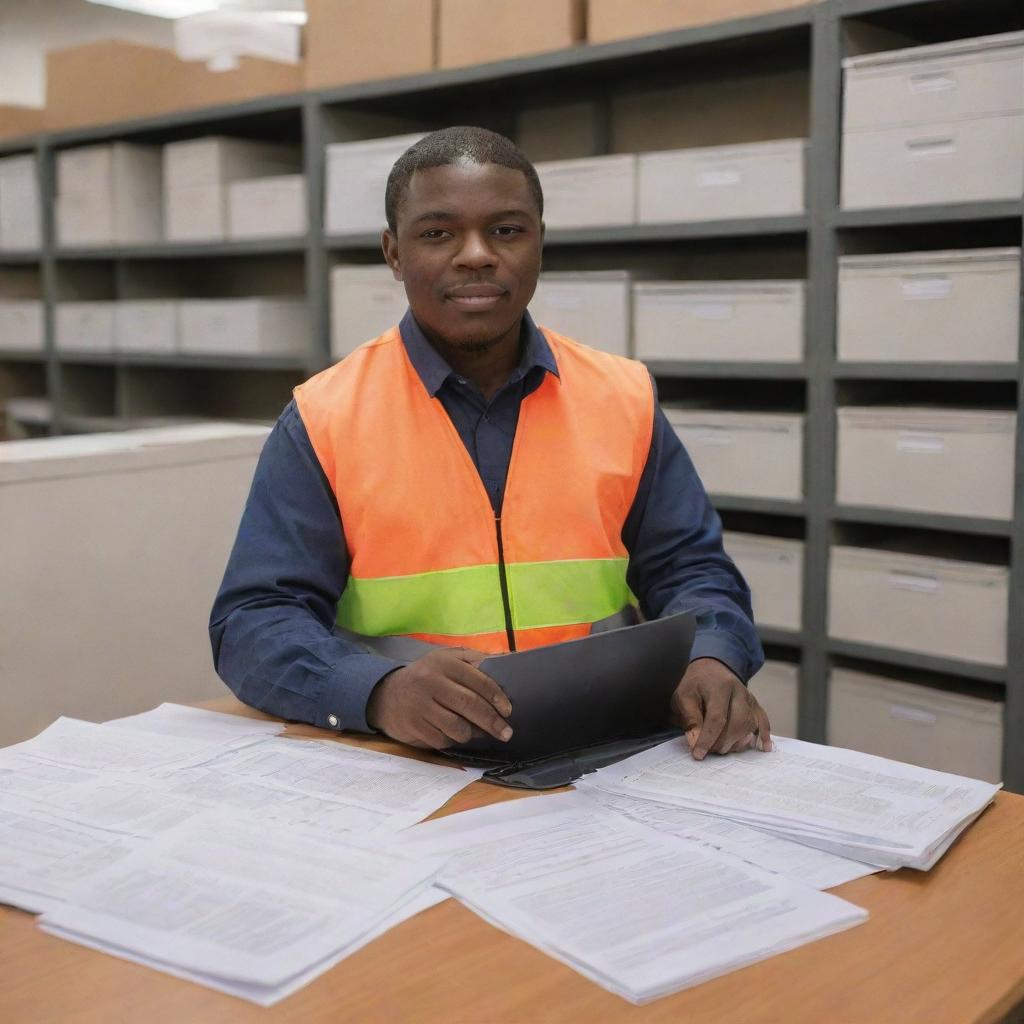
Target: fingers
{"x":716,"y":714}
{"x":471,"y":709}
{"x":463,"y":670}
{"x":764,"y":728}
{"x":739,"y":725}
{"x":691,"y":714}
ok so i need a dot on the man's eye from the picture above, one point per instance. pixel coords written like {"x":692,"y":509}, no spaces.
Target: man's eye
{"x":434,"y":233}
{"x":508,"y":229}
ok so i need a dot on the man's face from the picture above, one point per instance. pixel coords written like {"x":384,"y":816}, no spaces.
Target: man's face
{"x":468,"y":249}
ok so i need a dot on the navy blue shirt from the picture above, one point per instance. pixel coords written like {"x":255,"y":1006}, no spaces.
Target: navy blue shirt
{"x":272,"y":624}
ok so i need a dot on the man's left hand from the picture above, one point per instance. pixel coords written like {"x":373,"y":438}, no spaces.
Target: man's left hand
{"x":718,"y":713}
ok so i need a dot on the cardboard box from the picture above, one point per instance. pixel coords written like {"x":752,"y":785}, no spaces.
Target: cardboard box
{"x":589,"y":307}
{"x":196,"y":213}
{"x":220,"y":159}
{"x":357,"y":40}
{"x":365,"y":302}
{"x":85,"y":326}
{"x":257,"y":326}
{"x":934,"y":606}
{"x":946,"y":307}
{"x":21,"y":325}
{"x":719,"y":320}
{"x":20,"y":228}
{"x":777,"y":688}
{"x":16,"y":122}
{"x":109,"y":195}
{"x":122,"y":595}
{"x":598,"y":191}
{"x":148,"y":325}
{"x":938,"y":729}
{"x":774,"y":570}
{"x":608,"y":20}
{"x":731,"y":450}
{"x":760,"y":179}
{"x":948,"y":461}
{"x":471,"y":32}
{"x":268,"y":207}
{"x":357,"y":173}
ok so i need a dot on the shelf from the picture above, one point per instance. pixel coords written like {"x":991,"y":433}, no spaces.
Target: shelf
{"x":920,"y":520}
{"x":186,"y":250}
{"x":780,"y":637}
{"x":911,"y":659}
{"x":20,"y":259}
{"x":183,"y":361}
{"x":994,"y":209}
{"x":766,"y":506}
{"x":13,"y":355}
{"x":736,"y":371}
{"x":926,"y":371}
{"x":19,"y":144}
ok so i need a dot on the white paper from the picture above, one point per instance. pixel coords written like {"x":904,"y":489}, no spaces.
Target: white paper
{"x":197,"y":724}
{"x":639,"y":912}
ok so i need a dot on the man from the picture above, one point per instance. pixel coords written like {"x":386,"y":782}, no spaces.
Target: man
{"x":468,"y":484}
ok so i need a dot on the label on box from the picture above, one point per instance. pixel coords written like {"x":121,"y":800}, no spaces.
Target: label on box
{"x":927,"y":149}
{"x":912,"y":714}
{"x":932,"y":81}
{"x":926,"y":286}
{"x":921,"y":444}
{"x":911,"y":581}
{"x":719,"y":177}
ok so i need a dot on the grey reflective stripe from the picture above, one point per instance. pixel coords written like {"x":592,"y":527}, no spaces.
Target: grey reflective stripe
{"x":407,"y":648}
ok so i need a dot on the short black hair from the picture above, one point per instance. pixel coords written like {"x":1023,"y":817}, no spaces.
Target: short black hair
{"x":452,"y":146}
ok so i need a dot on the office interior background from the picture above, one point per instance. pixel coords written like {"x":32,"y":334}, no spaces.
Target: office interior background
{"x":804,"y":217}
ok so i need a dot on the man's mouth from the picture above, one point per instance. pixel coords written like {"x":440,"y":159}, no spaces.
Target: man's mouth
{"x":476,"y":296}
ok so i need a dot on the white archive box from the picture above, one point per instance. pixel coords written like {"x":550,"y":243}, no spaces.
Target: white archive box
{"x":21,"y":325}
{"x":357,"y":173}
{"x":365,"y":302}
{"x":774,"y":570}
{"x":777,"y":688}
{"x":595,"y":191}
{"x":589,"y":307}
{"x":20,"y":228}
{"x":948,"y":732}
{"x":85,"y":326}
{"x":155,"y":514}
{"x":947,"y":461}
{"x":196,"y":213}
{"x":109,"y":195}
{"x":759,"y":179}
{"x":953,"y":306}
{"x":719,"y":320}
{"x":935,"y":606}
{"x":146,"y":325}
{"x":253,"y":326}
{"x":218,"y":160}
{"x":753,"y":454}
{"x":915,"y":121}
{"x":267,"y":207}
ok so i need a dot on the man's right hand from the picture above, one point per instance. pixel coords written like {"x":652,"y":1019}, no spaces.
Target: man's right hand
{"x":440,"y":700}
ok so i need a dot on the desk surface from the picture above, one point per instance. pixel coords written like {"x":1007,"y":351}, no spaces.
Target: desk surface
{"x":946,"y":946}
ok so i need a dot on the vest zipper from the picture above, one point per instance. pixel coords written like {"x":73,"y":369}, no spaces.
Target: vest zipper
{"x":504,"y":587}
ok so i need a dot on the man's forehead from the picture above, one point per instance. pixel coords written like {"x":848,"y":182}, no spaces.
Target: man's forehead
{"x":467,"y":182}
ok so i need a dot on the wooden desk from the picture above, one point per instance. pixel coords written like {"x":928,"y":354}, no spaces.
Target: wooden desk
{"x":944,"y":947}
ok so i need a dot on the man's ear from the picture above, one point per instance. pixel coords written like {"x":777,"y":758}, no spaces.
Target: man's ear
{"x":389,"y":244}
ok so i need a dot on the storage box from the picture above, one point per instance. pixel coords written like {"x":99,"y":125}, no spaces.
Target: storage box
{"x":357,"y":173}
{"x":592,"y":308}
{"x":933,"y":606}
{"x":85,"y":326}
{"x":17,"y":122}
{"x":147,"y":325}
{"x":758,"y":455}
{"x":947,"y":461}
{"x":949,"y":732}
{"x":19,"y":205}
{"x":268,"y":207}
{"x":760,"y":179}
{"x":132,"y":534}
{"x":957,"y":306}
{"x":21,"y":325}
{"x":608,"y":20}
{"x":365,"y":302}
{"x":471,"y":32}
{"x":774,"y":570}
{"x":196,"y":213}
{"x":597,"y":191}
{"x":256,"y":326}
{"x":916,"y":119}
{"x":355,"y":40}
{"x":777,"y":688}
{"x":719,"y":320}
{"x":219,"y":159}
{"x":109,"y":195}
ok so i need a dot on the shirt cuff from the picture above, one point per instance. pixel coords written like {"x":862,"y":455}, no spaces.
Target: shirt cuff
{"x":343,"y":701}
{"x":723,"y":647}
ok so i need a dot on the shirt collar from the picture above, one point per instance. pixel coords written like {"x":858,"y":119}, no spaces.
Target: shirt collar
{"x":434,"y":370}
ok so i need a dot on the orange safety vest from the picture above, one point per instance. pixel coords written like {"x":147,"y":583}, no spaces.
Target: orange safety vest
{"x":429,"y":560}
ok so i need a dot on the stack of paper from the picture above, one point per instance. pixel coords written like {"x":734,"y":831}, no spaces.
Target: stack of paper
{"x":639,"y":912}
{"x":854,"y":805}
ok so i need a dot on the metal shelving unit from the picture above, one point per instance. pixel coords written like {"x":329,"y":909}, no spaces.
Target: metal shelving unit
{"x":813,"y":39}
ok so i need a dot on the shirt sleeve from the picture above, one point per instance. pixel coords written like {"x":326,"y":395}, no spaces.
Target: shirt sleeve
{"x":272,"y":624}
{"x":676,"y":559}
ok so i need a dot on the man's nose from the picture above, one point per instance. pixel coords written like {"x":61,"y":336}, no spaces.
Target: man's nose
{"x":475,"y":251}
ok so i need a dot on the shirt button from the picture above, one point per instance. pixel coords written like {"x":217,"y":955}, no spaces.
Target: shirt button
{"x":462,"y":380}
{"x":332,"y":721}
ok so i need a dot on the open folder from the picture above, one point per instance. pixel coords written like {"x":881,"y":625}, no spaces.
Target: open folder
{"x":582,"y":704}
